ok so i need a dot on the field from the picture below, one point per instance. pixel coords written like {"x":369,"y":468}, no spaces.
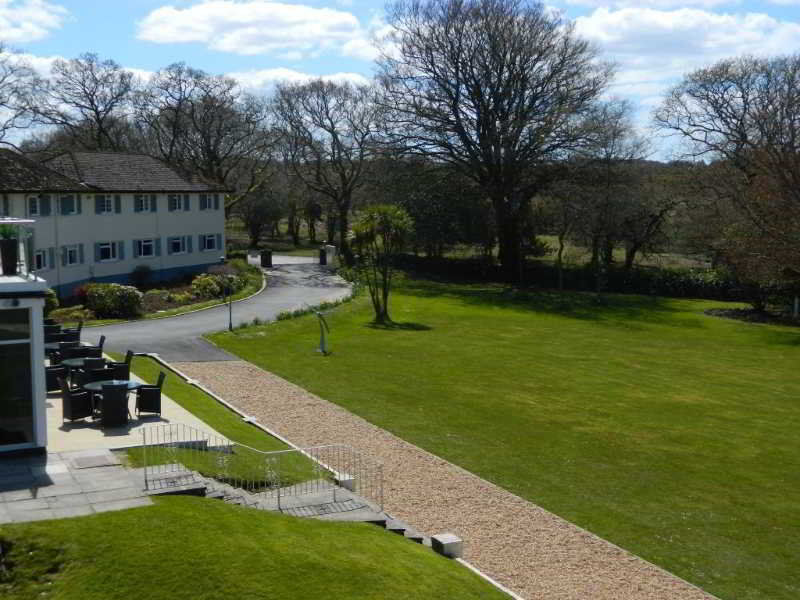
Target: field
{"x":187,"y":548}
{"x":666,"y":431}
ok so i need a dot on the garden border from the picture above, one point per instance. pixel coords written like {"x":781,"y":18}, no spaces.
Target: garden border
{"x":189,"y":312}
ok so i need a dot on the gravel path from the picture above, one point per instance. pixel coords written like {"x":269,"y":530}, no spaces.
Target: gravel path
{"x":526,"y":548}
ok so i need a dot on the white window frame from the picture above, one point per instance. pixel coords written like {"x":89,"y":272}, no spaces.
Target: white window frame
{"x":178,"y":199}
{"x":107,"y":207}
{"x":34,"y":206}
{"x":69,"y":250}
{"x":113,"y":251}
{"x":143,"y":203}
{"x":181,"y":240}
{"x":213,"y":246}
{"x":40,"y":256}
{"x":140,"y":246}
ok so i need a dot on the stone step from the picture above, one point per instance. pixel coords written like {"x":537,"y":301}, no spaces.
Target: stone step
{"x":395,"y":526}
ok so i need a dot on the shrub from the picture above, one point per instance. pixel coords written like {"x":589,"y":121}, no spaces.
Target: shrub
{"x":111,"y":300}
{"x":206,"y":286}
{"x":141,"y":276}
{"x":154,"y":300}
{"x":72,"y":314}
{"x":50,"y":302}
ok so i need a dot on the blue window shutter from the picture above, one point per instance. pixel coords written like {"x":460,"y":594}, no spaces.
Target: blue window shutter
{"x":153,"y":203}
{"x":51,"y":257}
{"x":203,"y":202}
{"x":188,"y":243}
{"x":44,"y":206}
{"x":136,"y":206}
{"x":169,"y":246}
{"x":157,"y":244}
{"x":186,"y":203}
{"x":78,"y":210}
{"x":136,"y":253}
{"x":201,"y":242}
{"x":5,"y":206}
{"x":97,"y":205}
{"x":63,"y":205}
{"x":216,"y":201}
{"x":63,"y":256}
{"x":121,"y":250}
{"x":117,"y":204}
{"x":80,"y":253}
{"x":96,"y":252}
{"x":219,"y":241}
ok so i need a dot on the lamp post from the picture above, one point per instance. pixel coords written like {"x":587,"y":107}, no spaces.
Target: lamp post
{"x":230,"y":296}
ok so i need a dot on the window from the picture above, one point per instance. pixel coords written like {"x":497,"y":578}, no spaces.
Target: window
{"x":103,"y":204}
{"x":70,"y":205}
{"x":33,"y":206}
{"x":208,"y":242}
{"x":109,"y":251}
{"x":209,"y":202}
{"x":144,"y":203}
{"x":177,"y":245}
{"x":175,"y":202}
{"x":145,"y":248}
{"x":39,"y":260}
{"x":71,"y":255}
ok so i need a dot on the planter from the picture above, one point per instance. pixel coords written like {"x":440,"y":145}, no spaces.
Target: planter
{"x":9,"y":254}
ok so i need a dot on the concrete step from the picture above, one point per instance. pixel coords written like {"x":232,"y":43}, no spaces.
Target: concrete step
{"x":395,"y":526}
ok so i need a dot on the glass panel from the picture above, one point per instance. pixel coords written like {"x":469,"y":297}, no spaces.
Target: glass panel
{"x":16,"y":396}
{"x":15,"y":324}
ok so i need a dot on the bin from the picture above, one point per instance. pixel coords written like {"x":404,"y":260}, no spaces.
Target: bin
{"x":266,"y":258}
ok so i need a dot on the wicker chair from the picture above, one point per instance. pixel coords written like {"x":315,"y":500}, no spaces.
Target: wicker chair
{"x":120,"y":370}
{"x":114,"y":405}
{"x":52,"y":374}
{"x":148,"y":397}
{"x":75,"y":405}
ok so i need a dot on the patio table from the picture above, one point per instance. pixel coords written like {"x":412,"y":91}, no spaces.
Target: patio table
{"x":97,"y":386}
{"x":73,"y":363}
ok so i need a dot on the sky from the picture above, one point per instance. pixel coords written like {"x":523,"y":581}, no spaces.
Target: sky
{"x":652,"y":42}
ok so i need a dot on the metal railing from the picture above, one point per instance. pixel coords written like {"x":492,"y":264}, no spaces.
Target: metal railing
{"x":173,"y":454}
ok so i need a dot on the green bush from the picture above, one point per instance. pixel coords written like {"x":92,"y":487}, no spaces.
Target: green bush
{"x":141,"y":276}
{"x":111,"y":300}
{"x":206,"y":286}
{"x":72,"y":314}
{"x":50,"y":302}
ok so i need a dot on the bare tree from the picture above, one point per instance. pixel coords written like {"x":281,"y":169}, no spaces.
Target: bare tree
{"x":205,"y":124}
{"x":496,"y":88}
{"x":87,"y":99}
{"x":16,"y":77}
{"x":744,"y":115}
{"x":329,"y":130}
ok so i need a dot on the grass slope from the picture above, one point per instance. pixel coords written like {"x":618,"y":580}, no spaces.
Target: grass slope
{"x":187,"y":548}
{"x":668,"y":432}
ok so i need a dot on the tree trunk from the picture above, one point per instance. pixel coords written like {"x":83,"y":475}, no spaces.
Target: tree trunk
{"x":330,"y":225}
{"x":560,"y":263}
{"x":630,"y":256}
{"x":608,"y":250}
{"x":509,"y":238}
{"x":312,"y":230}
{"x":344,"y":246}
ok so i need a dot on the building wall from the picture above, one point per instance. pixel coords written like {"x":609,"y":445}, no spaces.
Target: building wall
{"x":55,"y":232}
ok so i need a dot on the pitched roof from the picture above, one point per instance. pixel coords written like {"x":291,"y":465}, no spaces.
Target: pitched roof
{"x":120,"y":172}
{"x":21,"y":174}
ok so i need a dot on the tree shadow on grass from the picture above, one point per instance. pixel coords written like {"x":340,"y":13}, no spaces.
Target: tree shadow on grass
{"x":392,"y":326}
{"x":614,"y":309}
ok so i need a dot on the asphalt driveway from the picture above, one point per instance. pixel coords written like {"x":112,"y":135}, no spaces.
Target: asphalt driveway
{"x":293,"y":282}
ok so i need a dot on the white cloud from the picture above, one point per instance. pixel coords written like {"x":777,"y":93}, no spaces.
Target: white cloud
{"x":251,"y":27}
{"x":653,"y":48}
{"x":263,"y":79}
{"x":29,"y":20}
{"x":657,"y":4}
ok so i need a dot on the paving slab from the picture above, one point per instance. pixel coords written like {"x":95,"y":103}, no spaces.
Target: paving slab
{"x":121,"y":504}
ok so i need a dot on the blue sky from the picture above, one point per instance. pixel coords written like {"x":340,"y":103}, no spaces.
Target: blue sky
{"x":653,"y":42}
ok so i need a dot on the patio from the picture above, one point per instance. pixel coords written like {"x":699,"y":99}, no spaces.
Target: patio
{"x":83,"y":434}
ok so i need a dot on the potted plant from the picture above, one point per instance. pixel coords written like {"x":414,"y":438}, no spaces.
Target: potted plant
{"x":9,"y":249}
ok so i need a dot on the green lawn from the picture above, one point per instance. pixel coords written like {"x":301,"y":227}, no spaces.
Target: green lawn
{"x":186,"y":548}
{"x":668,"y":432}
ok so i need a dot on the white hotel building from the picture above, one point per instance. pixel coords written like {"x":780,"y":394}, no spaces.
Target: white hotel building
{"x":100,"y":215}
